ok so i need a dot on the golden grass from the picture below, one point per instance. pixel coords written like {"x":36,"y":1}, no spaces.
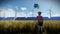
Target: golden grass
{"x":52,"y":24}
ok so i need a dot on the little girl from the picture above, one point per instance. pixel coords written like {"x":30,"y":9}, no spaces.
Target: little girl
{"x":40,"y":21}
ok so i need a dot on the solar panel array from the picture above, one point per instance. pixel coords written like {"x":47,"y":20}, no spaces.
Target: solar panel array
{"x":29,"y":18}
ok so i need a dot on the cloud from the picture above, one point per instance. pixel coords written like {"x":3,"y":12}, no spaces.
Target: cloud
{"x":11,"y":13}
{"x":23,"y":14}
{"x":8,"y":13}
{"x":23,"y":8}
{"x":30,"y":12}
{"x":56,"y":15}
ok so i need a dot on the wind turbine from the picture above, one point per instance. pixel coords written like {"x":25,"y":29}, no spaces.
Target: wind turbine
{"x":0,"y":12}
{"x":50,"y":11}
{"x":4,"y":14}
{"x":16,"y":12}
{"x":32,"y":12}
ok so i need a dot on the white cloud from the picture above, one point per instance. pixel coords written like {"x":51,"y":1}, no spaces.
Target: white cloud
{"x":8,"y":13}
{"x":23,"y":8}
{"x":23,"y":14}
{"x":30,"y":12}
{"x":11,"y":13}
{"x":56,"y":15}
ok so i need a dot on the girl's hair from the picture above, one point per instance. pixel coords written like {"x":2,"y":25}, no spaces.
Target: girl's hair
{"x":39,"y":13}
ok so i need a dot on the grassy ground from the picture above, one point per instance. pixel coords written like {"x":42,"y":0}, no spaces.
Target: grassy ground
{"x":24,"y":26}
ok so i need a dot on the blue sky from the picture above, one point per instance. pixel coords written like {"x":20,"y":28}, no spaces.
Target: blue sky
{"x":25,"y":8}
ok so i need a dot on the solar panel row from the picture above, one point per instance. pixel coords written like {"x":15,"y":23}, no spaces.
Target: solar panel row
{"x":29,"y":18}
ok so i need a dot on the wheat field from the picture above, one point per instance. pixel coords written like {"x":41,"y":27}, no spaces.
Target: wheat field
{"x":29,"y":25}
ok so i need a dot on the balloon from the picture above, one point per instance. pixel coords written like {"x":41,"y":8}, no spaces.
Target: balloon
{"x":36,"y":6}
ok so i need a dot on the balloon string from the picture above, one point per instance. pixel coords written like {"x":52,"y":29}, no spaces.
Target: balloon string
{"x":37,"y":1}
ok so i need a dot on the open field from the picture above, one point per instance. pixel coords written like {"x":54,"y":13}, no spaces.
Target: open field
{"x":24,"y":26}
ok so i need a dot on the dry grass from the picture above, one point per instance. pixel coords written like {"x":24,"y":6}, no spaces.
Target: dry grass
{"x":51,"y":24}
{"x":31,"y":23}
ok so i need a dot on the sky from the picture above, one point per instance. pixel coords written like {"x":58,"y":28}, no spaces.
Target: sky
{"x":25,"y":8}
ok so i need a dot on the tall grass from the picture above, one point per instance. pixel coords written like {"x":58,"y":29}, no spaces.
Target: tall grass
{"x":28,"y":25}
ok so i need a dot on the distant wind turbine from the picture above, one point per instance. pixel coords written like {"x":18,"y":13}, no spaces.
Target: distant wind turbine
{"x":50,"y":11}
{"x":16,"y":12}
{"x":0,"y":11}
{"x":4,"y":14}
{"x":32,"y":12}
